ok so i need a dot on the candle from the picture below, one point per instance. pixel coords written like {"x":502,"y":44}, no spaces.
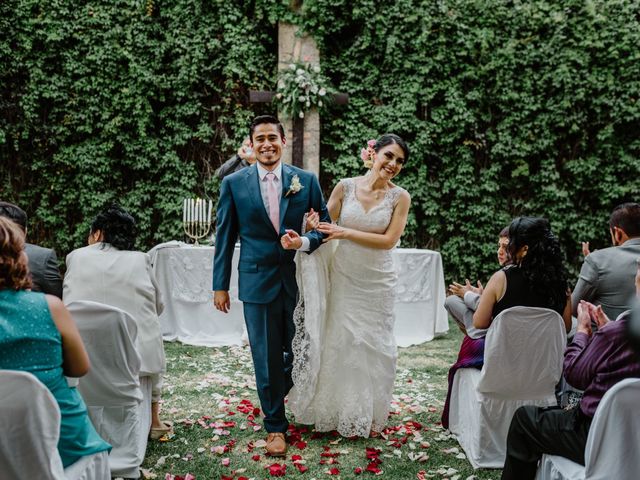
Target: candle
{"x":191,"y":209}
{"x":210,"y":207}
{"x":184,"y":210}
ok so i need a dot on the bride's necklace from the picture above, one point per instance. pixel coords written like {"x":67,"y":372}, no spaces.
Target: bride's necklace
{"x":380,"y":193}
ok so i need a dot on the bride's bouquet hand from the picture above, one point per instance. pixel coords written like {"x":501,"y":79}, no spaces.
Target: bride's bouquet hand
{"x":332,"y":231}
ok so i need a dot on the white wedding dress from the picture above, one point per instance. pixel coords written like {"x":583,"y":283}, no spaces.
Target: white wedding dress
{"x":344,"y":348}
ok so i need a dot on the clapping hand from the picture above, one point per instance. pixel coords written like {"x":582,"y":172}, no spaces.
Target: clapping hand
{"x":332,"y":231}
{"x":585,"y":249}
{"x":291,"y":240}
{"x":598,"y":316}
{"x":584,"y":318}
{"x":313,"y":220}
{"x":460,"y":290}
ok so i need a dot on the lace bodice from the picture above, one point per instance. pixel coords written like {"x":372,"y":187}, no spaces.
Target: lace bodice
{"x":353,"y":214}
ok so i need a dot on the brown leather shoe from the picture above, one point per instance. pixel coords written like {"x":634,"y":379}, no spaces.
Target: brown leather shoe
{"x":276,"y":445}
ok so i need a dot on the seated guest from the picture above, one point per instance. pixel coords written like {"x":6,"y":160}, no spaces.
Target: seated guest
{"x":38,"y":335}
{"x":535,"y":278}
{"x":109,"y":271}
{"x":465,"y":298}
{"x":43,"y":262}
{"x":606,"y":276}
{"x":594,"y":362}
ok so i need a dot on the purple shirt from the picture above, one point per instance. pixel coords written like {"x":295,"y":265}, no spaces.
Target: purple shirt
{"x":596,"y":364}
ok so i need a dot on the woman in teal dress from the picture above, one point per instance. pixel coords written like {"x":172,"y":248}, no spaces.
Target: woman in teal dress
{"x":38,"y":335}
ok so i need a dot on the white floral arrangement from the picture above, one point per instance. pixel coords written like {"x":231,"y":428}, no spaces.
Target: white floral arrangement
{"x":301,"y":87}
{"x":295,"y":187}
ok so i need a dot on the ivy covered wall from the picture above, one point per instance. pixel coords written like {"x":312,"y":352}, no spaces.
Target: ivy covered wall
{"x":124,"y":100}
{"x":510,"y":108}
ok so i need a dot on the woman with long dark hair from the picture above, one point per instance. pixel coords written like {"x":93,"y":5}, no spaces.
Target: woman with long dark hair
{"x":536,"y":277}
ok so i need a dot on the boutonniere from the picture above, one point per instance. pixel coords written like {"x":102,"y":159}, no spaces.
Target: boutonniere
{"x":295,"y":186}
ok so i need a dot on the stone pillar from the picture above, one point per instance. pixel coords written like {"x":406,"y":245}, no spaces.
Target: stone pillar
{"x":293,"y":48}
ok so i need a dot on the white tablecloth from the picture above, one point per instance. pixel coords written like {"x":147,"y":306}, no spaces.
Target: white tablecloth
{"x":184,"y":274}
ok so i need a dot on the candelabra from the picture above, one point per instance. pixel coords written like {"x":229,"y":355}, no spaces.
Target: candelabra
{"x":196,"y":218}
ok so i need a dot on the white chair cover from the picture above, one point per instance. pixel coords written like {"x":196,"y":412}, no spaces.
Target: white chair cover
{"x":111,"y":389}
{"x":522,"y":364}
{"x":30,"y":425}
{"x":612,"y":444}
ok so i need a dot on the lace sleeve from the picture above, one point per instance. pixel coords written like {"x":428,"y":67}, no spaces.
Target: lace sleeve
{"x":394,"y":195}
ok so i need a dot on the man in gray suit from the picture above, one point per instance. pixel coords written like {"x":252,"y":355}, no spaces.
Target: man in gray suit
{"x":606,"y":277}
{"x":43,"y":262}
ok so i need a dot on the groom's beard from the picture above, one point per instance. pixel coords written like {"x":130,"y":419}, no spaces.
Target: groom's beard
{"x":268,"y":162}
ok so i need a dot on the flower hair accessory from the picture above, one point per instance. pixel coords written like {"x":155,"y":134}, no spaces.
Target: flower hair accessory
{"x":368,"y":154}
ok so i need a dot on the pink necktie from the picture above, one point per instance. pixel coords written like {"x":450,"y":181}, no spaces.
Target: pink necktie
{"x":274,"y":203}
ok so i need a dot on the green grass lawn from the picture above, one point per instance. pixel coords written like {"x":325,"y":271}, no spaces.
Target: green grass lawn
{"x":210,"y":395}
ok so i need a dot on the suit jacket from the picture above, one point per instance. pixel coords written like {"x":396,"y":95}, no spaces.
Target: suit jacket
{"x":123,"y":279}
{"x":607,"y":278}
{"x":264,"y":266}
{"x":232,"y":165}
{"x":43,"y":265}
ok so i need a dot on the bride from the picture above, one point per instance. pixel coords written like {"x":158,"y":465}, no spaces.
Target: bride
{"x":344,"y":348}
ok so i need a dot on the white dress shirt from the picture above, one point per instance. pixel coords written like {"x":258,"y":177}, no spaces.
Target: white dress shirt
{"x":262,"y":174}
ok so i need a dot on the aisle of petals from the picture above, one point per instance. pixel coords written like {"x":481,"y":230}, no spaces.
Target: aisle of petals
{"x":212,"y":399}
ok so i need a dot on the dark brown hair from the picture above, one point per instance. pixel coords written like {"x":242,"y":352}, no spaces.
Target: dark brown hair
{"x":627,"y":218}
{"x":14,"y":270}
{"x":265,"y":119}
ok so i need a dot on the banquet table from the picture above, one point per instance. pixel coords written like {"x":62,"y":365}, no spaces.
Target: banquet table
{"x":184,"y":275}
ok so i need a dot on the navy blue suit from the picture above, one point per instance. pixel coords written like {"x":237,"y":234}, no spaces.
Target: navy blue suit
{"x":266,"y":274}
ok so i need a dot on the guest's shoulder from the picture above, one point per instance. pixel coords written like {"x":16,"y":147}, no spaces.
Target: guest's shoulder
{"x":79,"y":251}
{"x":602,"y":255}
{"x":37,"y":251}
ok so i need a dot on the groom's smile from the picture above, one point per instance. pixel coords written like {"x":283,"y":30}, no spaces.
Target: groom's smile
{"x":268,"y":144}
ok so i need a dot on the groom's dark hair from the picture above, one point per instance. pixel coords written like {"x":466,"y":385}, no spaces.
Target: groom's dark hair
{"x":265,"y":119}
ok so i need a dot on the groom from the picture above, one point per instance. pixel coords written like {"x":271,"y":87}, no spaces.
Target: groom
{"x":264,"y":205}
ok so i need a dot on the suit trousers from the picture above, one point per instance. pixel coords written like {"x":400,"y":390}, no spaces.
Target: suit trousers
{"x":538,"y":430}
{"x":271,"y":329}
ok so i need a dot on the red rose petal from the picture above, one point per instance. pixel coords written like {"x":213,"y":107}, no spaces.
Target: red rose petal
{"x":277,"y":470}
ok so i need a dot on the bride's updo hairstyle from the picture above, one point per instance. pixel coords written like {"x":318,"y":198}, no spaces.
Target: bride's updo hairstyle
{"x":542,"y":264}
{"x":389,"y":139}
{"x":118,"y":227}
